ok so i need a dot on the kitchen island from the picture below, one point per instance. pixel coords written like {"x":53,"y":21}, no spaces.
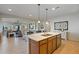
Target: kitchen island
{"x":44,"y":43}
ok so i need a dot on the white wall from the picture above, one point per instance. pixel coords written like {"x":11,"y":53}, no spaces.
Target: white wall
{"x":73,"y":25}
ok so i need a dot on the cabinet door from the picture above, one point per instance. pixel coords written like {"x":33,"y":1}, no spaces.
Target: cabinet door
{"x":33,"y":47}
{"x":43,"y":49}
{"x":58,"y":40}
{"x":54,"y":43}
{"x":50,"y":45}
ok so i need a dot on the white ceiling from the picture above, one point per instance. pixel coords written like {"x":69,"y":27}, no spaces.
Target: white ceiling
{"x":23,"y":10}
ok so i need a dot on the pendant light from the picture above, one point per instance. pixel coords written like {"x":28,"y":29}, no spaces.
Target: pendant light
{"x":38,"y":13}
{"x":46,"y":16}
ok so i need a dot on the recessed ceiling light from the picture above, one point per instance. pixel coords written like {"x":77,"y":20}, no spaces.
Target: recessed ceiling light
{"x":9,"y":9}
{"x":53,"y":8}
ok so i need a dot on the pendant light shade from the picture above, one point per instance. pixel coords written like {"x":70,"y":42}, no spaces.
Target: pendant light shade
{"x":38,"y":13}
{"x":47,"y":22}
{"x":38,"y":21}
{"x":46,"y":16}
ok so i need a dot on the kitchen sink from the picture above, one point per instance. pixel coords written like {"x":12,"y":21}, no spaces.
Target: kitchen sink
{"x":46,"y":34}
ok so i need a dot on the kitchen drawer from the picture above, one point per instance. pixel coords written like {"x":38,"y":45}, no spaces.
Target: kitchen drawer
{"x":43,"y":41}
{"x":53,"y":37}
{"x":33,"y":43}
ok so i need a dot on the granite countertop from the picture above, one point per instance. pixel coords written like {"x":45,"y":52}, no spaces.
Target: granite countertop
{"x":41,"y":36}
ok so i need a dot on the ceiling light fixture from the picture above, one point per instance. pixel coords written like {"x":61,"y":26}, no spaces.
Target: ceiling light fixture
{"x":9,"y":9}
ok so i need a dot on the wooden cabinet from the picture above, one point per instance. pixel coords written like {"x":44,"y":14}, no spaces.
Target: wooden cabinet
{"x":54,"y":43}
{"x":45,"y":46}
{"x":43,"y":49}
{"x":33,"y":47}
{"x":51,"y":44}
{"x":43,"y":42}
{"x":38,"y":47}
{"x":0,"y":37}
{"x":58,"y":40}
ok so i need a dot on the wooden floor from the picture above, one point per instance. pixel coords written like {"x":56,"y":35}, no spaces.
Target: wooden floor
{"x":17,"y":45}
{"x":68,"y":47}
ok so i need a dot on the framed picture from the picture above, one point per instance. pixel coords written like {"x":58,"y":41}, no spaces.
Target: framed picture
{"x":63,"y":25}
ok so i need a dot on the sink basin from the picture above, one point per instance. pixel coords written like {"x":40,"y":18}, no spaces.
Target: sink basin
{"x":46,"y":34}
